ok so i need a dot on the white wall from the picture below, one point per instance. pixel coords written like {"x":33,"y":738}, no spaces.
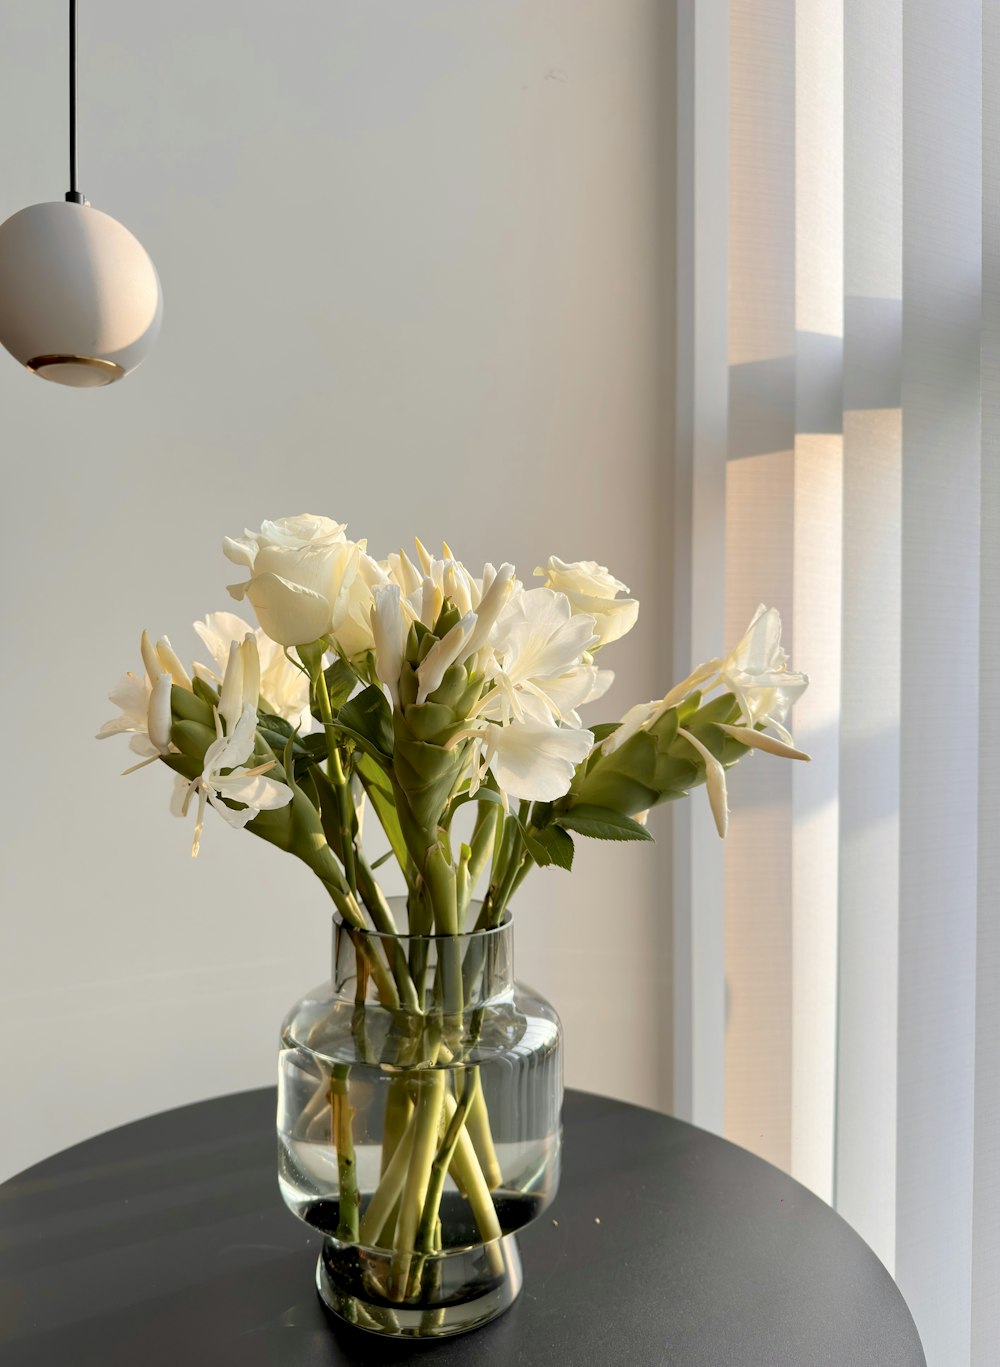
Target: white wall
{"x":411,"y":257}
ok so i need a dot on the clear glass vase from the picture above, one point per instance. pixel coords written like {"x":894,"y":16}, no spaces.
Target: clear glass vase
{"x":419,"y":1103}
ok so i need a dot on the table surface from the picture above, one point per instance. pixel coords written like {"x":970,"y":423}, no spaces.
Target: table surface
{"x":166,"y":1242}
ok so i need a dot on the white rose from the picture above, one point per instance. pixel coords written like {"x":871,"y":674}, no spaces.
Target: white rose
{"x":299,"y":569}
{"x":591,"y":589}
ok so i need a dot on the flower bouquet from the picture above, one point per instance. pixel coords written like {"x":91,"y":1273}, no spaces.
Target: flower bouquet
{"x":420,"y":1087}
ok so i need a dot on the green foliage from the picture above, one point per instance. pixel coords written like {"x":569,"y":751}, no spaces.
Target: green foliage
{"x":181,"y":764}
{"x":601,"y":823}
{"x":367,"y":720}
{"x":341,"y":681}
{"x":552,"y":845}
{"x":380,"y":795}
{"x":657,"y":765}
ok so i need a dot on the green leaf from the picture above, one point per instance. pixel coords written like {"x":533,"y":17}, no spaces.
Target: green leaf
{"x":603,"y":730}
{"x":553,"y":845}
{"x":341,"y":682}
{"x":267,"y":721}
{"x":314,"y":746}
{"x":367,"y":719}
{"x":382,"y":859}
{"x":601,"y":823}
{"x":380,"y":795}
{"x":482,"y":794}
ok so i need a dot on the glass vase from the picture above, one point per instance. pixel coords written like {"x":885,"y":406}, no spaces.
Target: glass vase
{"x":419,"y":1103}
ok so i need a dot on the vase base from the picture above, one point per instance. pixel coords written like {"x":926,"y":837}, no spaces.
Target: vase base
{"x":433,"y":1296}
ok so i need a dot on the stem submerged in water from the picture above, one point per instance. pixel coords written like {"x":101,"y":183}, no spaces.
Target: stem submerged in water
{"x":341,"y":1116}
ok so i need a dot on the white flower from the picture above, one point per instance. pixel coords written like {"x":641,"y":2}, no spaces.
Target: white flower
{"x":161,"y":659}
{"x":538,"y":640}
{"x":299,"y":568}
{"x":533,"y":759}
{"x":401,"y":570}
{"x":591,"y":589}
{"x":284,"y":687}
{"x":585,"y":683}
{"x":160,"y":717}
{"x":236,"y":724}
{"x":445,"y":579}
{"x":471,"y":633}
{"x":497,"y":587}
{"x":132,"y":695}
{"x":636,"y":719}
{"x":145,"y":702}
{"x":757,"y":673}
{"x":443,"y":654}
{"x":389,"y":629}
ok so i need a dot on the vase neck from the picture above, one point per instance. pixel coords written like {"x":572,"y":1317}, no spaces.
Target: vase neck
{"x":427,"y":973}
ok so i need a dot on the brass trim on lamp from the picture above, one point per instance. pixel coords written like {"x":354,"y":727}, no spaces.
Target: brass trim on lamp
{"x":111,"y":370}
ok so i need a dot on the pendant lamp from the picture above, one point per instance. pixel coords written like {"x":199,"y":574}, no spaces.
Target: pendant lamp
{"x":80,"y":300}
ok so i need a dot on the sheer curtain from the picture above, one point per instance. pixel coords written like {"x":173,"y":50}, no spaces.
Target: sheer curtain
{"x":836,"y":994}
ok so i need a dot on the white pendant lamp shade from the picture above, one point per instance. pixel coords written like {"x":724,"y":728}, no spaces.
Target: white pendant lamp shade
{"x":80,"y":300}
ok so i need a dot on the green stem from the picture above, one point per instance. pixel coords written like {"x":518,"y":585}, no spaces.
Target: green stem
{"x":384,"y":1199}
{"x":398,"y":1109}
{"x":335,"y":770}
{"x":442,"y":885}
{"x":341,"y":1113}
{"x":483,"y":839}
{"x":478,"y":1125}
{"x":469,"y":1177}
{"x":440,"y":1166}
{"x":350,"y":913}
{"x":426,"y":1125}
{"x":385,"y":924}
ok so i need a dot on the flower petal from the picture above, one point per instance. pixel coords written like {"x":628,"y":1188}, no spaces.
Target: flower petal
{"x":442,"y":655}
{"x":159,"y":716}
{"x":389,"y":632}
{"x":715,"y":782}
{"x":289,"y":613}
{"x":760,"y":740}
{"x":534,"y":761}
{"x":631,"y":724}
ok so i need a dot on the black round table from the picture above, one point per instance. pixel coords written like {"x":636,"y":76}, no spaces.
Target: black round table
{"x":166,"y":1242}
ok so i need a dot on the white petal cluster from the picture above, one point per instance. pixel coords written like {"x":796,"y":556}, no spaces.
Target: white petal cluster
{"x":224,"y":775}
{"x":284,"y":685}
{"x":308,"y":582}
{"x":146,"y":714}
{"x":756,"y":672}
{"x":145,"y":702}
{"x":531,"y":646}
{"x":593,"y":590}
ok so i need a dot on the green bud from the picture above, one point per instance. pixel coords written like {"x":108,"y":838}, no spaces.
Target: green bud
{"x":658,"y":765}
{"x":448,"y":617}
{"x":205,"y":691}
{"x":429,"y":720}
{"x":192,"y":738}
{"x":188,"y":706}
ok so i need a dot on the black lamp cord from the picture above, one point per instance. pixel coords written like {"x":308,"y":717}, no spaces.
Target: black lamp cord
{"x":73,"y":195}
